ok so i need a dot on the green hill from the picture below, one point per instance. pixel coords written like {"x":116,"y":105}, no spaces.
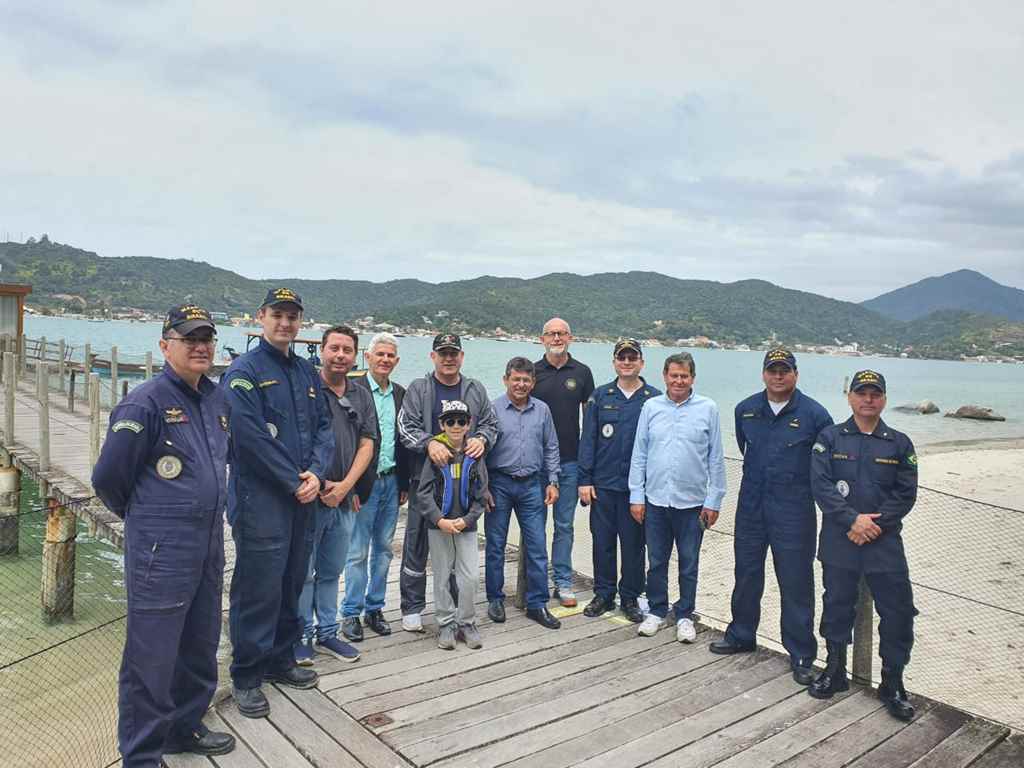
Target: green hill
{"x":964,"y":290}
{"x":641,"y":304}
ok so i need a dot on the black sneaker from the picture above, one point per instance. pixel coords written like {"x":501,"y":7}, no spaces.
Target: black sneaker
{"x":201,"y":741}
{"x":352,"y":629}
{"x":293,"y":677}
{"x":375,"y":620}
{"x":251,"y":702}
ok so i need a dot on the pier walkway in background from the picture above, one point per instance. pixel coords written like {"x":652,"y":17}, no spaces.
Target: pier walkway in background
{"x":591,"y":694}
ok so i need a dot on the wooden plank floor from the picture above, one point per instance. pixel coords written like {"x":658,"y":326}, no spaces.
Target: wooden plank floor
{"x":593,"y":694}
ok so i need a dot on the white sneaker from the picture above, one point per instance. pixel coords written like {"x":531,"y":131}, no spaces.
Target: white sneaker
{"x":685,"y":631}
{"x":650,"y":625}
{"x":411,"y":622}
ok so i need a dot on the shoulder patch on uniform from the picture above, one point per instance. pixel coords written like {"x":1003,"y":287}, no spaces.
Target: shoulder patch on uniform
{"x":240,"y":383}
{"x":819,"y":448}
{"x":134,"y":426}
{"x":912,"y":459}
{"x":269,"y":383}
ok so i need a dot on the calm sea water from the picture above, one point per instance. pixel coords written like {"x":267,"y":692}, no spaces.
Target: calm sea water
{"x":725,"y":376}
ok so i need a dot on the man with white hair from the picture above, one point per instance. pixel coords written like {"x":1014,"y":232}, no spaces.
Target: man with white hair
{"x":369,"y":552}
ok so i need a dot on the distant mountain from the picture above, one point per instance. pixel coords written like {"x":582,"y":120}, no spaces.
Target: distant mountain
{"x":964,"y":289}
{"x":610,"y":305}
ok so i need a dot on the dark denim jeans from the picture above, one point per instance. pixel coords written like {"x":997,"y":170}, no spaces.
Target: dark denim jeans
{"x":330,"y":552}
{"x":370,"y":545}
{"x":525,"y":497}
{"x":663,"y":527}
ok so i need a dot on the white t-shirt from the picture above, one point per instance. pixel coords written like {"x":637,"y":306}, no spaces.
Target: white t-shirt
{"x":777,"y":407}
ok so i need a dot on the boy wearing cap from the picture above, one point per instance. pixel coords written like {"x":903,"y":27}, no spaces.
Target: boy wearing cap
{"x":282,"y":446}
{"x":864,"y":478}
{"x":775,"y":430}
{"x":418,"y":422}
{"x":451,"y":498}
{"x":609,"y":427}
{"x":163,"y":471}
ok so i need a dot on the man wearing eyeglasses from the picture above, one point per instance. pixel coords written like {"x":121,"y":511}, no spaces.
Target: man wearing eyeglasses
{"x":418,"y":422}
{"x":163,"y":471}
{"x":282,"y":446}
{"x":564,"y":384}
{"x":609,"y":427}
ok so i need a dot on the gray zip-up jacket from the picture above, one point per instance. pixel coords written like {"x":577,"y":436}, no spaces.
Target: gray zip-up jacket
{"x":414,"y":417}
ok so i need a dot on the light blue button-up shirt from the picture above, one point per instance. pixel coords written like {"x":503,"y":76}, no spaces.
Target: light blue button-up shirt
{"x":677,"y":456}
{"x":527,"y":441}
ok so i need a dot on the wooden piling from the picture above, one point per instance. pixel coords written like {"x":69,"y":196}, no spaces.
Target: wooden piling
{"x":58,"y":587}
{"x":94,"y":419}
{"x":61,"y":351}
{"x":520,"y":601}
{"x":87,"y":369}
{"x":149,"y":366}
{"x":21,"y":356}
{"x":42,"y":348}
{"x":863,"y":635}
{"x":11,"y":379}
{"x":10,"y":500}
{"x":113,"y":377}
{"x":43,"y":394}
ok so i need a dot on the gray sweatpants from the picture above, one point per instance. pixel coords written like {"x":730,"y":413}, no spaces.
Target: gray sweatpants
{"x":458,"y":554}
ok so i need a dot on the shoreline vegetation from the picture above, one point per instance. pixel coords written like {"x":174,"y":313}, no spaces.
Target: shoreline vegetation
{"x":657,"y":309}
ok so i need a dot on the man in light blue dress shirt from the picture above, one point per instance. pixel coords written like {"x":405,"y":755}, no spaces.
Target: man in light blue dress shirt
{"x":676,"y":488}
{"x":524,"y":457}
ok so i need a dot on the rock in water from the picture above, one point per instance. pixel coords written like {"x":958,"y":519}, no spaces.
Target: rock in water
{"x":925,"y":406}
{"x":975,"y":412}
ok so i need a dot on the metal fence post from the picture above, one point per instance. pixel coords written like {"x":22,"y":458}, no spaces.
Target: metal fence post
{"x":863,"y":635}
{"x":71,"y":391}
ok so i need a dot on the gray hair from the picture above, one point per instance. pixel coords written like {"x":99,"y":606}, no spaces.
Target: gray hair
{"x":382,"y":338}
{"x":681,"y":358}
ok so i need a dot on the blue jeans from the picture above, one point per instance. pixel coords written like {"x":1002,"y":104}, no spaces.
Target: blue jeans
{"x":564,"y":512}
{"x":320,"y":591}
{"x":663,"y":527}
{"x":525,"y":497}
{"x":372,"y":532}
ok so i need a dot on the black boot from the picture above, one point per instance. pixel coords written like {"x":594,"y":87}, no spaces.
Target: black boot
{"x":833,"y":680}
{"x":894,"y":695}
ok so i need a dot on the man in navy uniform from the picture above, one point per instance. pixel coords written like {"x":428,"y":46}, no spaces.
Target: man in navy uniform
{"x":609,"y":426}
{"x":282,"y":446}
{"x":864,"y":478}
{"x":775,"y":430}
{"x":162,"y":471}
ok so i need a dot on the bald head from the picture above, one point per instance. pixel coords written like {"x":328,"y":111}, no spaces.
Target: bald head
{"x":556,"y":337}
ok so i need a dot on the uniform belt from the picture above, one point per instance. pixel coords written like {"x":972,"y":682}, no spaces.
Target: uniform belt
{"x":520,"y":478}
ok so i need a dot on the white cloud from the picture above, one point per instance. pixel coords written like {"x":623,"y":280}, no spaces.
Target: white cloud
{"x":844,"y":153}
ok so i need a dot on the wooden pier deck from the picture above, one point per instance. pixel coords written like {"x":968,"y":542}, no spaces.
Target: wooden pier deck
{"x":591,"y":694}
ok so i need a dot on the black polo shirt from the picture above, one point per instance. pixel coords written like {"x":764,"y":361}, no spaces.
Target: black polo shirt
{"x":564,"y":390}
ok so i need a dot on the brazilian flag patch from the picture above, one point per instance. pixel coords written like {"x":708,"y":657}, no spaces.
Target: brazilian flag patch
{"x":912,"y":459}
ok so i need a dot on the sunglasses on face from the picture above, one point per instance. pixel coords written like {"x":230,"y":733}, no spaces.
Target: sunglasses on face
{"x":458,"y":421}
{"x":627,"y":357}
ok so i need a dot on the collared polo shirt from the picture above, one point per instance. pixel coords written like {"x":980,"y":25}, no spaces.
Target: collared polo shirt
{"x":565,"y":390}
{"x":384,"y":402}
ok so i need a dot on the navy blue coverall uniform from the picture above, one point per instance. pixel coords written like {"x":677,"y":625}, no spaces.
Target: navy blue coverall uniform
{"x":606,"y":446}
{"x":162,"y":470}
{"x":853,"y":473}
{"x":776,"y":509}
{"x":280,"y":427}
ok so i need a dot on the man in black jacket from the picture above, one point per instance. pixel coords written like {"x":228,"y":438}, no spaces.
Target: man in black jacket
{"x":369,"y":553}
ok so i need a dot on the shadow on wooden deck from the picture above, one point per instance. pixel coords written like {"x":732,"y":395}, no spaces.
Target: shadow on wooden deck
{"x":591,"y":694}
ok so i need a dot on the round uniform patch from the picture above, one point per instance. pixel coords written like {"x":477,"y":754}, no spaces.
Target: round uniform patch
{"x":843,"y":487}
{"x":272,"y":429}
{"x":608,"y":430}
{"x":168,"y":467}
{"x":570,"y":384}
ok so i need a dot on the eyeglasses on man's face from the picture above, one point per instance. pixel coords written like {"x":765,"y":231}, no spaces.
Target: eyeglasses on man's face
{"x":556,"y":334}
{"x":193,"y":341}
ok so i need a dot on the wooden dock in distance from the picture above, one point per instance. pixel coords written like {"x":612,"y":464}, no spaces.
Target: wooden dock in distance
{"x":591,"y":694}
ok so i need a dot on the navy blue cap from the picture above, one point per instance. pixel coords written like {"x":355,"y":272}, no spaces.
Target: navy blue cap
{"x":863,"y":379}
{"x":780,"y":356}
{"x":282,"y":296}
{"x":187,"y":318}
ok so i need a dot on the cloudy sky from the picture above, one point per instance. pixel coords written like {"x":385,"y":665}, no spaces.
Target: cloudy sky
{"x":841,"y":152}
